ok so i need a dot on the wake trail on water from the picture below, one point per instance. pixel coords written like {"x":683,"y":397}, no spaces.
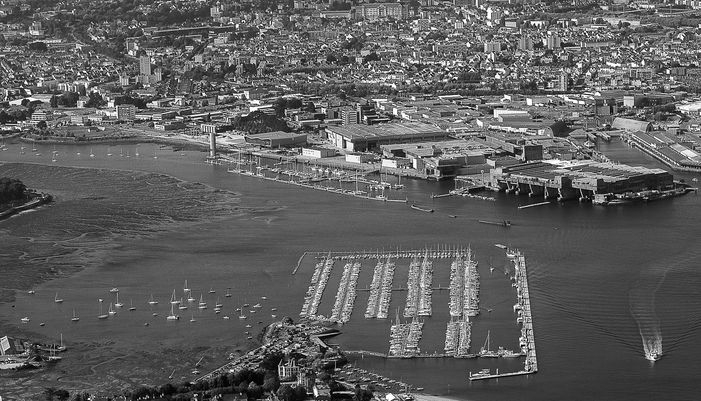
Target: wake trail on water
{"x":642,"y":304}
{"x":642,"y":308}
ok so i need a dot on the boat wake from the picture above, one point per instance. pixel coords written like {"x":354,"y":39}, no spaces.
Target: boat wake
{"x":642,"y":308}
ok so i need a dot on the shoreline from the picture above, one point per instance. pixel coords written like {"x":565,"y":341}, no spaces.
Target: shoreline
{"x":31,"y":204}
{"x":130,"y":140}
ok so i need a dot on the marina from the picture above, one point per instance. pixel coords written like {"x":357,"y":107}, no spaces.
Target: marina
{"x":415,"y":309}
{"x":312,"y":176}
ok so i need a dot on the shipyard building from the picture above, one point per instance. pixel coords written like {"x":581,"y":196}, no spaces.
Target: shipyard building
{"x":580,"y":180}
{"x":363,"y":138}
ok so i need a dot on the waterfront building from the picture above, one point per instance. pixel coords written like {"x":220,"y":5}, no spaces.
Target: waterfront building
{"x":631,"y":125}
{"x":578,"y":179}
{"x":360,"y":138}
{"x":277,"y":139}
{"x":318,"y":153}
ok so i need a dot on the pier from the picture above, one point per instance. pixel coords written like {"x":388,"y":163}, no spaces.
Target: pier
{"x":312,"y":298}
{"x":345,"y":297}
{"x":523,"y":307}
{"x":419,"y":290}
{"x":312,"y":176}
{"x":380,"y":289}
{"x":525,"y":318}
{"x":404,"y":338}
{"x":464,"y":303}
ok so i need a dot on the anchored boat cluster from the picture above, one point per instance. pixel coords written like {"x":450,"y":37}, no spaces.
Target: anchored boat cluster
{"x":464,"y":303}
{"x":345,"y":297}
{"x":322,"y":271}
{"x":419,"y":290}
{"x":404,"y":338}
{"x":380,"y":289}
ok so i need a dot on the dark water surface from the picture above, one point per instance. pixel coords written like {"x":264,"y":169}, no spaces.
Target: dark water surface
{"x":602,"y":280}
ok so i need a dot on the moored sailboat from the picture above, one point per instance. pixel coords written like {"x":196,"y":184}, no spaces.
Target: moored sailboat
{"x":101,"y":316}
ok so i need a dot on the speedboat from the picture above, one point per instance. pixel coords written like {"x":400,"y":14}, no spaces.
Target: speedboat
{"x":653,"y":356}
{"x":25,"y":320}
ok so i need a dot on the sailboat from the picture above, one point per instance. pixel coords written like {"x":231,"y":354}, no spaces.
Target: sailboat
{"x":52,"y":356}
{"x":91,"y":153}
{"x":485,"y":352}
{"x":218,"y":304}
{"x":186,"y":289}
{"x":75,"y":317}
{"x":173,"y":300}
{"x":101,"y":315}
{"x":118,"y":304}
{"x":61,"y":347}
{"x":132,"y":308}
{"x":136,"y":152}
{"x":109,"y":152}
{"x":211,"y":290}
{"x":203,"y":304}
{"x":182,"y":305}
{"x":152,"y":301}
{"x":172,"y":315}
{"x":190,"y":298}
{"x":192,"y":319}
{"x":228,"y":293}
{"x":111,"y":311}
{"x":57,"y":299}
{"x":399,"y":184}
{"x":241,"y":315}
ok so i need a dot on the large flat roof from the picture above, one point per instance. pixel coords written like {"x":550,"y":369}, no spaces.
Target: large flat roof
{"x":358,"y":132}
{"x":609,"y":172}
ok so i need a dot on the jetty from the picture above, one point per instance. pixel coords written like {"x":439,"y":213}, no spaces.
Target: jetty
{"x":534,"y":205}
{"x":311,"y":177}
{"x":524,"y":317}
{"x":503,"y":223}
{"x":345,"y":297}
{"x":404,"y":338}
{"x":380,"y":289}
{"x":464,"y":303}
{"x":419,"y":289}
{"x":312,"y":298}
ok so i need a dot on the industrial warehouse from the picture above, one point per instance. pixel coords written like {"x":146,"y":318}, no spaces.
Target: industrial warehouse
{"x":583,"y":180}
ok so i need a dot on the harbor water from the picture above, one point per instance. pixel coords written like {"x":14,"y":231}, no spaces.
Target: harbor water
{"x":603,"y":281}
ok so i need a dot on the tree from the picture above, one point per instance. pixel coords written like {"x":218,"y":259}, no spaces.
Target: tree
{"x":254,"y":391}
{"x":62,"y":395}
{"x":271,"y":360}
{"x":286,"y":393}
{"x":95,"y":100}
{"x":41,"y":125}
{"x":54,"y":101}
{"x":271,"y":381}
{"x":38,"y":46}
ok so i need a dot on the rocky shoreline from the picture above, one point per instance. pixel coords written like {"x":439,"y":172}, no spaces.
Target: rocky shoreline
{"x":34,"y":202}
